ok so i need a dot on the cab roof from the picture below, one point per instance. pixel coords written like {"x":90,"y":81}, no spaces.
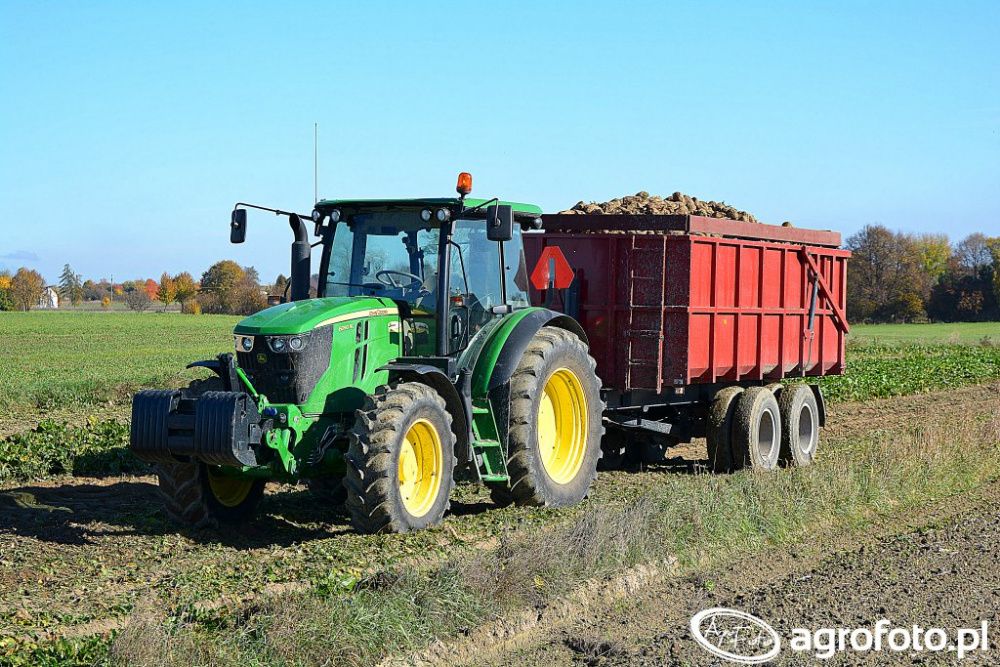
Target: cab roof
{"x":520,"y":210}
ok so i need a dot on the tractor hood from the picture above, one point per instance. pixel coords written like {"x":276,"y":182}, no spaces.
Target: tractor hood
{"x":302,"y":316}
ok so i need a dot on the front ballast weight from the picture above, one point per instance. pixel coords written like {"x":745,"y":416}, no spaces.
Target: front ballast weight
{"x":219,"y":427}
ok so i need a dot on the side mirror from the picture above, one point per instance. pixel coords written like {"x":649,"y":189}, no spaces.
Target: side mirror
{"x":238,"y":226}
{"x":499,"y":222}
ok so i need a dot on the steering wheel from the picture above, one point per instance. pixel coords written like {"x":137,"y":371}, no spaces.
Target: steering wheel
{"x":386,"y":277}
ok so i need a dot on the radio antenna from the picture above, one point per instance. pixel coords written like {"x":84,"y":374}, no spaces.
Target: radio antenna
{"x":315,"y":162}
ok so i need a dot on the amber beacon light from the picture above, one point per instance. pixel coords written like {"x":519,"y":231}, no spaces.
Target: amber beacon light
{"x":464,"y":186}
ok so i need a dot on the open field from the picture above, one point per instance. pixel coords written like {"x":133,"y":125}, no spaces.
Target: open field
{"x":90,"y":570}
{"x":966,"y":333}
{"x":79,"y":555}
{"x":68,"y":366}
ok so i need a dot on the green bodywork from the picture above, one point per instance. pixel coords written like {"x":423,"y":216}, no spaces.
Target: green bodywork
{"x":369,"y":328}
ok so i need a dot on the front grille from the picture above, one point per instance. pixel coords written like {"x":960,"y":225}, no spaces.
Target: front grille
{"x":288,"y":377}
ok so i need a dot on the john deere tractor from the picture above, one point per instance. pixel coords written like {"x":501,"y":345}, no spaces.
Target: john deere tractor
{"x":415,"y":360}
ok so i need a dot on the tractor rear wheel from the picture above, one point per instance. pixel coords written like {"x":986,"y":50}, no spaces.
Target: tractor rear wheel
{"x":401,"y":461}
{"x":555,"y":429}
{"x":756,"y":430}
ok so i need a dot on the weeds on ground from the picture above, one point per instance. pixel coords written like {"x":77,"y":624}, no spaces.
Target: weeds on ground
{"x":700,"y":521}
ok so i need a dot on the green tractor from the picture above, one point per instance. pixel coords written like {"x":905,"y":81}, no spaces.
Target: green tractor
{"x":415,"y":360}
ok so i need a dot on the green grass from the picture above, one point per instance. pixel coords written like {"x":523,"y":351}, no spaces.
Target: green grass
{"x":74,"y":359}
{"x":967,"y":333}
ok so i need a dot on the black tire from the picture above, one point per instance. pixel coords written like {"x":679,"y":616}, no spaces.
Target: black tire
{"x":374,"y":498}
{"x":552,"y":355}
{"x":187,"y":488}
{"x":757,"y":430}
{"x":719,"y":430}
{"x":189,"y":497}
{"x":799,"y":425}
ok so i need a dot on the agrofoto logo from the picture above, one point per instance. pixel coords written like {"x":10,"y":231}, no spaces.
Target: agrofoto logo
{"x":742,"y":638}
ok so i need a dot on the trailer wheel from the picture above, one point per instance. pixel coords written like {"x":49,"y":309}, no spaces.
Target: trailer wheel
{"x":757,"y":430}
{"x":800,"y":425}
{"x":719,"y":434}
{"x":401,"y":461}
{"x":555,"y":423}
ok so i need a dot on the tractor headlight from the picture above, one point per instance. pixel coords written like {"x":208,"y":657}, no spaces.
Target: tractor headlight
{"x":443,"y":215}
{"x":287,"y":344}
{"x":244,"y":343}
{"x":317,"y":215}
{"x":426,"y":215}
{"x":335,"y":215}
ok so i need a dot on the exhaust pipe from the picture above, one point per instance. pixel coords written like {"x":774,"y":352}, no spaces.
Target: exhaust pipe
{"x":301,"y":251}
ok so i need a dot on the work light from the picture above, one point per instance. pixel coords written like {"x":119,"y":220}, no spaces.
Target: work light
{"x":335,"y":215}
{"x":443,"y":214}
{"x":426,"y":215}
{"x":316,"y":215}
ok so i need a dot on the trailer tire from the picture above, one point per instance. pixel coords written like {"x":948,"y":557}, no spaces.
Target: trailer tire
{"x":757,"y":430}
{"x":799,"y":425}
{"x":401,"y":460}
{"x":555,"y":427}
{"x":719,"y":430}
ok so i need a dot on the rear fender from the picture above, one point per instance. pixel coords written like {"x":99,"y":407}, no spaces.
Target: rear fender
{"x":502,"y":353}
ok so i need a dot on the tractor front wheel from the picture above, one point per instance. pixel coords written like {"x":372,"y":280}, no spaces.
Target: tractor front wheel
{"x":555,"y":430}
{"x":401,"y":461}
{"x":202,"y":496}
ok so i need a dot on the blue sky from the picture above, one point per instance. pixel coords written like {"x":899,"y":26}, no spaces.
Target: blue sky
{"x":128,"y":130}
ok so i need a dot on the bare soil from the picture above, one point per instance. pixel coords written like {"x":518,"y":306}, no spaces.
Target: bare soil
{"x":938,"y":569}
{"x":77,"y":554}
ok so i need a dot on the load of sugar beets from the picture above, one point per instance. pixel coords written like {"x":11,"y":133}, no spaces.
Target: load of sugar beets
{"x":643,"y":203}
{"x":410,"y":352}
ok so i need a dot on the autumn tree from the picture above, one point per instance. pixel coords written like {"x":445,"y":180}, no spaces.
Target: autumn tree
{"x":167,"y":291}
{"x":26,"y":288}
{"x":184,"y":286}
{"x":6,"y":301}
{"x":887,"y":282}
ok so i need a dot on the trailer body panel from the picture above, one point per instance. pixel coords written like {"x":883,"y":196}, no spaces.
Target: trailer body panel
{"x":670,"y":302}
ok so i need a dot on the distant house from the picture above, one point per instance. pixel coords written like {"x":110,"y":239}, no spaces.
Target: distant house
{"x":49,"y":299}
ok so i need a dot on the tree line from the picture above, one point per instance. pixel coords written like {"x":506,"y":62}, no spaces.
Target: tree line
{"x":226,"y":287}
{"x":900,"y":277}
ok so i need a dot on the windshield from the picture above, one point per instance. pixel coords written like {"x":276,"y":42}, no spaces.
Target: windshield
{"x":395,"y":254}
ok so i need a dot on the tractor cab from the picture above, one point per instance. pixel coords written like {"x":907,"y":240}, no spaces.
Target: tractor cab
{"x":436,"y":259}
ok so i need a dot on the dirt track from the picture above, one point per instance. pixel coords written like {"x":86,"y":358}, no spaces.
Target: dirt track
{"x":942,"y":570}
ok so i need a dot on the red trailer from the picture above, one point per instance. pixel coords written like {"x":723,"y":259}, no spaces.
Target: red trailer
{"x":679,"y":308}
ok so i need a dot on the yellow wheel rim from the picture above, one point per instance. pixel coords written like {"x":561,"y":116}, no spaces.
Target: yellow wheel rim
{"x":562,"y":426}
{"x":420,"y":464}
{"x":229,"y":491}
